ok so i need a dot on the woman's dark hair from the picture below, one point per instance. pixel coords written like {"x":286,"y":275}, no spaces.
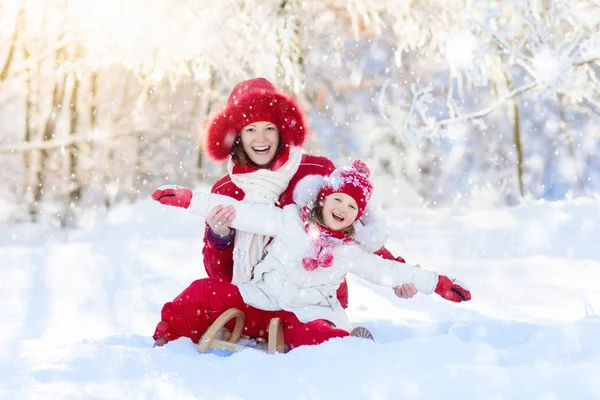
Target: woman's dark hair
{"x":239,"y":156}
{"x":315,"y":216}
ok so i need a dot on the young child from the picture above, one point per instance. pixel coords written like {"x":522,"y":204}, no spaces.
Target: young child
{"x":314,"y":246}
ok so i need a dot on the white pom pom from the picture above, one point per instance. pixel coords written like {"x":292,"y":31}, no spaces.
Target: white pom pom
{"x":307,"y":189}
{"x":371,"y":231}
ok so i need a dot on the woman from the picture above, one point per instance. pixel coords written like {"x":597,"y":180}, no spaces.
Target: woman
{"x":260,"y":133}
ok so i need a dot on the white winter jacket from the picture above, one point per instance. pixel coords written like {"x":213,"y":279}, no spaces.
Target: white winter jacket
{"x":280,"y":282}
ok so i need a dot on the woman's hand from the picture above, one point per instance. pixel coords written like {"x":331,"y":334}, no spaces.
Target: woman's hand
{"x":219,"y":219}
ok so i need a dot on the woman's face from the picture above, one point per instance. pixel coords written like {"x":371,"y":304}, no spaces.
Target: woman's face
{"x":339,"y":211}
{"x":260,"y":141}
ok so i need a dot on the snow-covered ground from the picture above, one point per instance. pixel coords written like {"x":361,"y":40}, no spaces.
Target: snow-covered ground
{"x":77,"y":310}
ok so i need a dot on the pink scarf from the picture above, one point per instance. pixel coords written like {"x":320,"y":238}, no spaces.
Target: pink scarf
{"x":323,"y":241}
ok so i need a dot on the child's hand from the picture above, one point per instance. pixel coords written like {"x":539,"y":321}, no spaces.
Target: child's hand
{"x":407,"y":290}
{"x":453,"y":290}
{"x":173,"y":195}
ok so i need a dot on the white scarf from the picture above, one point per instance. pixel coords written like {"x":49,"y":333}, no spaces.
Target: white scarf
{"x":261,"y":186}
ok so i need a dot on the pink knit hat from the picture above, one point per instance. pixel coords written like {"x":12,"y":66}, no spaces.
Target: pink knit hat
{"x":353,"y":181}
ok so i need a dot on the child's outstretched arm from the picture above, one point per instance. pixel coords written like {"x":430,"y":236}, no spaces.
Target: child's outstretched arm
{"x":391,"y":274}
{"x":261,"y":219}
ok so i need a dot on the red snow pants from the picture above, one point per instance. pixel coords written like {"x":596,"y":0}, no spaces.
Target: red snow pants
{"x":197,"y":307}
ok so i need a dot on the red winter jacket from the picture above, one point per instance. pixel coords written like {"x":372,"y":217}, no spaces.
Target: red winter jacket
{"x":218,"y":252}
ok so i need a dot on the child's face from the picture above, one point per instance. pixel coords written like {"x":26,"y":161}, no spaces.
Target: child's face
{"x":339,"y":211}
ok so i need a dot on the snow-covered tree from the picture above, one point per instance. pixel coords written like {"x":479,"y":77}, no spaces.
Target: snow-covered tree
{"x":522,"y":72}
{"x":100,"y":101}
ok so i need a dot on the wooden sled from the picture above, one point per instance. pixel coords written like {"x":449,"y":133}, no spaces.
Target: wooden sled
{"x":217,"y":337}
{"x":362,"y":332}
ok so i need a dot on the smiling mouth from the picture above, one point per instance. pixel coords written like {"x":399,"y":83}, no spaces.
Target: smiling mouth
{"x":337,"y":217}
{"x":261,"y":149}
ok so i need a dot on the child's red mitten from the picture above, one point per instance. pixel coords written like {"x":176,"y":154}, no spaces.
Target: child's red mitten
{"x":452,"y":289}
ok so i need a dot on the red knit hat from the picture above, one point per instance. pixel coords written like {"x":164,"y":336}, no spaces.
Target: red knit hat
{"x":353,"y":181}
{"x":250,"y":101}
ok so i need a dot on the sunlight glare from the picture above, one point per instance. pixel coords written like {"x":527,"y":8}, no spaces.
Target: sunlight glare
{"x":546,"y":65}
{"x":460,"y":48}
{"x":143,"y":35}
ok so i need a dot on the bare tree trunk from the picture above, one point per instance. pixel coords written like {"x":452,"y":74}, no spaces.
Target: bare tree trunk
{"x":27,"y":154}
{"x":93,"y":104}
{"x":112,"y":181}
{"x":75,"y":187}
{"x":58,"y":95}
{"x":13,"y":45}
{"x":518,"y":145}
{"x":564,"y":127}
{"x":517,"y":140}
{"x":209,"y":106}
{"x":139,"y":176}
{"x":141,"y":140}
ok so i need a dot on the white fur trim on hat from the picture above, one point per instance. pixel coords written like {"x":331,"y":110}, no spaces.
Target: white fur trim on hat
{"x":371,"y":232}
{"x":307,"y":189}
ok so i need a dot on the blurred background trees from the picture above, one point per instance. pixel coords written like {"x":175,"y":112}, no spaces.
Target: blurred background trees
{"x":449,"y":101}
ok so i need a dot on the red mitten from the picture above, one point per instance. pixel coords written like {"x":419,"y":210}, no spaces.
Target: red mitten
{"x":173,"y":195}
{"x":453,"y":290}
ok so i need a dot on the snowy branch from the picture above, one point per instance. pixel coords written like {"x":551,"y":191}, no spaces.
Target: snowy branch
{"x":381,"y":107}
{"x":39,"y":57}
{"x":91,"y":138}
{"x":56,"y":143}
{"x":432,"y":127}
{"x":584,"y":62}
{"x":483,"y":112}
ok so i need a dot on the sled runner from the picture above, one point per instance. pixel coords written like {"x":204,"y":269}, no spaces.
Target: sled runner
{"x":217,"y":337}
{"x":361,"y":332}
